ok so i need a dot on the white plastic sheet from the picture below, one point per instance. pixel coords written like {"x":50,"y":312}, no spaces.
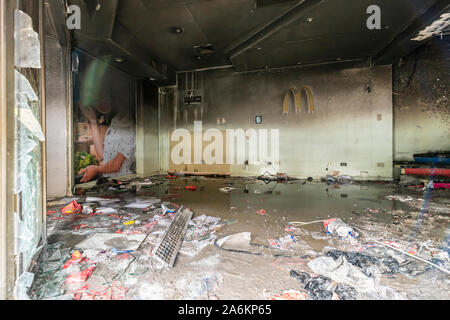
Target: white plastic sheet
{"x":340,"y":270}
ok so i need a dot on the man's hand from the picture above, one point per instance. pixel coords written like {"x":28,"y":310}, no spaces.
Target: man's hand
{"x":111,"y":167}
{"x":89,"y":173}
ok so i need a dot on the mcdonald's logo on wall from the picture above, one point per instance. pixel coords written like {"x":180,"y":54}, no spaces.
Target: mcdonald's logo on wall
{"x":297,"y":96}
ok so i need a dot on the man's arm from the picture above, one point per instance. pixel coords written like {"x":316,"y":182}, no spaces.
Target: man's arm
{"x":112,"y":166}
{"x":98,"y":142}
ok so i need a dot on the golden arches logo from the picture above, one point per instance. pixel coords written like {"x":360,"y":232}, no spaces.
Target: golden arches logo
{"x":297,"y":95}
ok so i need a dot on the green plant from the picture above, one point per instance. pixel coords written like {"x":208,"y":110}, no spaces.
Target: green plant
{"x":83,"y":160}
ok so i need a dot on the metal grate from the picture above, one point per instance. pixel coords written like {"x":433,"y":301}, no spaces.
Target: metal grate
{"x":168,"y":248}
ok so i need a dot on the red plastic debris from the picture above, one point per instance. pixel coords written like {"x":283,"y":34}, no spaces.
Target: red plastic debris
{"x":191,"y":188}
{"x":80,"y":276}
{"x":150,"y":225}
{"x":327,"y":222}
{"x":72,"y":208}
{"x":113,"y":292}
{"x":76,"y":257}
{"x":123,"y":256}
{"x":261,"y":212}
{"x":51,"y":212}
{"x":82,"y":226}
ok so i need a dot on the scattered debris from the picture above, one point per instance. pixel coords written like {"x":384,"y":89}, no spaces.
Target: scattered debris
{"x":167,"y":250}
{"x":286,"y":295}
{"x":338,"y":227}
{"x":108,"y":240}
{"x":72,"y":208}
{"x":284,"y":243}
{"x":226,"y":189}
{"x":261,"y":212}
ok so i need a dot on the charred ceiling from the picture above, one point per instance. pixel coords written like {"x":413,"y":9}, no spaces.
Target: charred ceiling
{"x":155,"y":38}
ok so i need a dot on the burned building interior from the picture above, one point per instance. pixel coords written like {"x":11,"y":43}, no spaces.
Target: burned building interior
{"x":225,"y":149}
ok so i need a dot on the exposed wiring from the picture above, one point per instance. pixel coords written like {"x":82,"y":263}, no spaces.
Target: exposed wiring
{"x":276,"y":255}
{"x":305,"y":223}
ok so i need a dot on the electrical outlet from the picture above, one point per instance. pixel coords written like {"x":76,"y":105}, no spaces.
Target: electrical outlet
{"x":343,"y":164}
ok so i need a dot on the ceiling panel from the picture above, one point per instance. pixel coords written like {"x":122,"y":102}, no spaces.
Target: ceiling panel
{"x":337,"y":30}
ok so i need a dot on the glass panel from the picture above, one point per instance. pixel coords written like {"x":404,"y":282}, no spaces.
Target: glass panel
{"x":28,"y":138}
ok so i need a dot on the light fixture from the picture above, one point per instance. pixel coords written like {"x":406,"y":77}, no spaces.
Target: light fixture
{"x":310,"y":19}
{"x":118,"y":59}
{"x":178,"y":30}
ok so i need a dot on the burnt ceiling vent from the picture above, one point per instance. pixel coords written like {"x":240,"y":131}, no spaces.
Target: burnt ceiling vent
{"x":265,"y":3}
{"x":205,"y":50}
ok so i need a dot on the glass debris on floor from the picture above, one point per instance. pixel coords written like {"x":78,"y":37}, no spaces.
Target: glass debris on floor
{"x":101,"y":244}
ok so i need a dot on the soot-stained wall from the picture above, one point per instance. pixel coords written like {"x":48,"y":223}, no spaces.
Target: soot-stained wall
{"x":421,"y":101}
{"x":351,"y":123}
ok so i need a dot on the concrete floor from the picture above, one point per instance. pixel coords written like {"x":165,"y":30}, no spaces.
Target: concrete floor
{"x":217,"y":274}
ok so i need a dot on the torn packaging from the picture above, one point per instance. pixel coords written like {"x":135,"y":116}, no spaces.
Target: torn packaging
{"x":345,"y":292}
{"x":286,"y":295}
{"x":320,"y":288}
{"x":72,"y":208}
{"x":338,"y":227}
{"x":340,"y":270}
{"x":81,"y":276}
{"x":367,"y":263}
